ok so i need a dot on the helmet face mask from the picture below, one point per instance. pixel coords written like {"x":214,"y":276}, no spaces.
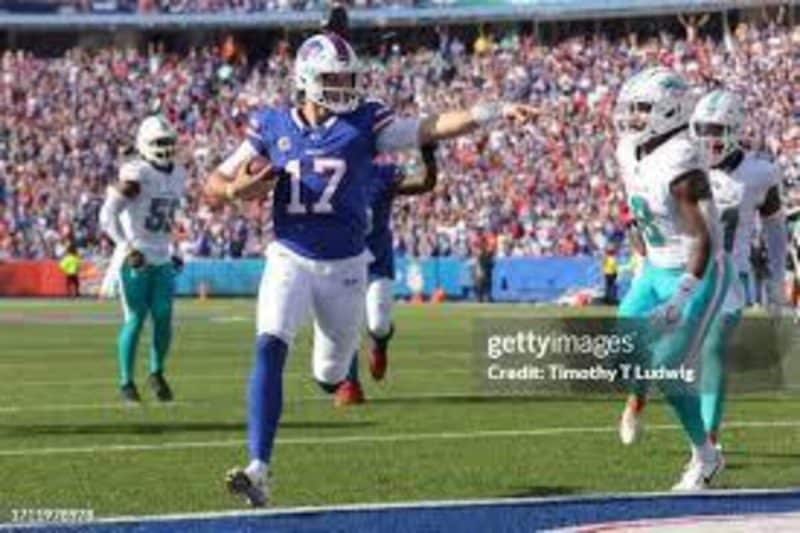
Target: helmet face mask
{"x":163,"y":150}
{"x":326,"y":72}
{"x":339,"y":90}
{"x":716,"y":141}
{"x":632,"y":118}
{"x":156,"y":141}
{"x":650,"y":104}
{"x":716,"y":125}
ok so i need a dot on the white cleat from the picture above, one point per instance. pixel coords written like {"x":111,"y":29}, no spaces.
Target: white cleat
{"x":253,"y":489}
{"x":631,"y":426}
{"x":699,"y":473}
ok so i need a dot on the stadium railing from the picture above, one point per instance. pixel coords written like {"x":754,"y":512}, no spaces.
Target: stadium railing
{"x":428,"y":12}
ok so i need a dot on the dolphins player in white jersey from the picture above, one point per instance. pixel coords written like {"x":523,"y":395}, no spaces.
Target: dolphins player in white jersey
{"x":686,"y":274}
{"x":138,"y":216}
{"x":746,"y":186}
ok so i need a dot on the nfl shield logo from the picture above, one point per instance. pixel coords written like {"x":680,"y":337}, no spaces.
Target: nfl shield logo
{"x":284,"y":144}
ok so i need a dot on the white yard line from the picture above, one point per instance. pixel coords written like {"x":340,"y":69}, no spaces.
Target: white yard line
{"x":400,"y":437}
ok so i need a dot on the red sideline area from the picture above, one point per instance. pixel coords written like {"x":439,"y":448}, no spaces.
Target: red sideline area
{"x":38,"y":278}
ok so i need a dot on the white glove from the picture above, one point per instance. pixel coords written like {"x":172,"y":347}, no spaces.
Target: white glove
{"x":668,"y":315}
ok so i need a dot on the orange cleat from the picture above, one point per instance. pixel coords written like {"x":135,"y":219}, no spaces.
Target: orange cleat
{"x":349,"y":393}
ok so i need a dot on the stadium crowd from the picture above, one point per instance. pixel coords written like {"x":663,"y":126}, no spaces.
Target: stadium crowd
{"x":67,"y":122}
{"x":151,"y":7}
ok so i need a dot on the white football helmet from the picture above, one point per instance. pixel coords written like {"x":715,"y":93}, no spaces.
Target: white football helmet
{"x":717,"y":123}
{"x":651,"y":103}
{"x":156,"y":140}
{"x":326,"y":71}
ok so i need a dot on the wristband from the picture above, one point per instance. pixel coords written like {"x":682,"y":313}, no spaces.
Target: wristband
{"x":485,"y":113}
{"x":230,"y":192}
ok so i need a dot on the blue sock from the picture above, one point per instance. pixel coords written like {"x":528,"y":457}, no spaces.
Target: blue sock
{"x":265,"y":397}
{"x":352,"y":374}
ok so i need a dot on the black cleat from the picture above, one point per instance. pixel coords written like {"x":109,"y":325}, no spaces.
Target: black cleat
{"x":129,"y":394}
{"x":239,"y":484}
{"x":160,"y":387}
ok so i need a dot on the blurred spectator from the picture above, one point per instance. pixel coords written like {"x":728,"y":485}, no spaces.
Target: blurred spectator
{"x":610,"y":272}
{"x":71,"y":266}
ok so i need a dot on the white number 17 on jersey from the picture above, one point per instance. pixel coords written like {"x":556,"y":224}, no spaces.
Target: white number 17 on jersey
{"x":333,"y":169}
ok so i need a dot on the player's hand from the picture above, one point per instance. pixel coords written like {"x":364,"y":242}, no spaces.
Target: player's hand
{"x":136,"y":259}
{"x":666,"y":317}
{"x":520,"y":113}
{"x":252,"y":181}
{"x":177,"y":263}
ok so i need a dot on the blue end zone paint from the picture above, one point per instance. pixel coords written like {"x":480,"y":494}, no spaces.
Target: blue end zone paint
{"x":495,"y":516}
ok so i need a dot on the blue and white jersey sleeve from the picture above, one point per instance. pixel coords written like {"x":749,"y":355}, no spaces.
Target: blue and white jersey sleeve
{"x":255,"y":143}
{"x":258,"y":130}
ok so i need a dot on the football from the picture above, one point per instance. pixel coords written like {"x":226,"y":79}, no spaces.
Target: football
{"x":257,"y":164}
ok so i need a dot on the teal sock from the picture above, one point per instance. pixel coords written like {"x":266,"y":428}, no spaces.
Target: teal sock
{"x":687,"y":406}
{"x":162,"y":277}
{"x":714,"y":354}
{"x":133,"y":292}
{"x":684,"y":397}
{"x":127,"y":342}
{"x":162,"y":337}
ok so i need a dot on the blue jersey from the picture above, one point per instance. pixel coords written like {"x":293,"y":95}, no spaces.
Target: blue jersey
{"x":379,"y":238}
{"x":320,"y":203}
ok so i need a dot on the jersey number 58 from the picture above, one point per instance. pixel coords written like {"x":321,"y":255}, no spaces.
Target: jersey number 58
{"x":161,"y":215}
{"x":333,"y":169}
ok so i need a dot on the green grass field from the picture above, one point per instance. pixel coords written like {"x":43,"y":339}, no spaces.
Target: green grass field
{"x":426,"y":433}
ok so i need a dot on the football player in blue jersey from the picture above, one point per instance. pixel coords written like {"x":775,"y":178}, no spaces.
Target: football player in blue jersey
{"x":320,"y":168}
{"x":390,"y":182}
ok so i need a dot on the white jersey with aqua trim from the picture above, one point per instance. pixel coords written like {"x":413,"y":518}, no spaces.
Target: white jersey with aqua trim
{"x":739,"y":195}
{"x":728,"y":197}
{"x":147,"y":220}
{"x":647,"y":185}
